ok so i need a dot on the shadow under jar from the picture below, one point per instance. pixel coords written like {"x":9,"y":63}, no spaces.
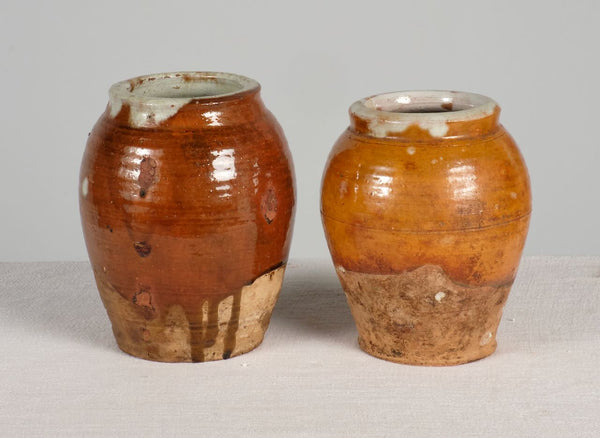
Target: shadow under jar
{"x":187,"y":204}
{"x":425,"y":205}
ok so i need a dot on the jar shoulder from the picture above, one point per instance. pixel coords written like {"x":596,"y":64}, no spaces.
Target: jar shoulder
{"x":213,"y":172}
{"x":205,"y":151}
{"x":430,"y":185}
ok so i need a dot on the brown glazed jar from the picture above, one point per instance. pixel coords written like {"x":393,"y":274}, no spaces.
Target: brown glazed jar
{"x":426,"y":204}
{"x":187,"y":204}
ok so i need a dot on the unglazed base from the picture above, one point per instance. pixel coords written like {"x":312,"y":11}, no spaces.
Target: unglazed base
{"x":422,"y":317}
{"x":218,"y":330}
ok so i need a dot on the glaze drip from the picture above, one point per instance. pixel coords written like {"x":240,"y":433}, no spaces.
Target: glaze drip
{"x":220,"y":328}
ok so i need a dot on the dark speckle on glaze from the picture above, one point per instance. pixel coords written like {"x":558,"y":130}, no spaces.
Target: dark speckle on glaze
{"x":142,"y":248}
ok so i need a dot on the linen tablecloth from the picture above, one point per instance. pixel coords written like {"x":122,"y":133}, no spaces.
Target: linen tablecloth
{"x":61,"y":373}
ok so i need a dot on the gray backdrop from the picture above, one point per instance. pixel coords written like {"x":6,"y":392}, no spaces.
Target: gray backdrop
{"x":539,"y":60}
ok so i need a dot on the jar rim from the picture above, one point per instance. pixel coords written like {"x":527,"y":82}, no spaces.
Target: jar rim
{"x":156,"y":97}
{"x":182,"y":85}
{"x":392,"y":113}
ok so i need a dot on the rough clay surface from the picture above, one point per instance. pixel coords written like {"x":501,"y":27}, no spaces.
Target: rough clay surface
{"x":171,"y":337}
{"x":422,"y":317}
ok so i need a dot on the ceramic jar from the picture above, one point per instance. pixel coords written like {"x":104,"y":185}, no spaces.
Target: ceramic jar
{"x":426,"y":204}
{"x":187,"y":203}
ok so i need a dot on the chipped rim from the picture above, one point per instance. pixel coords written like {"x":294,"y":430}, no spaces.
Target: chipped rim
{"x":392,"y":113}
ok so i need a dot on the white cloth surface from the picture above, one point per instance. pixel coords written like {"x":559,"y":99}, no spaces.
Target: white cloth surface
{"x":61,"y":373}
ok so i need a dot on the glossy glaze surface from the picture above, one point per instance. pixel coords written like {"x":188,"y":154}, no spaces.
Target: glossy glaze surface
{"x":426,"y":182}
{"x":187,"y":197}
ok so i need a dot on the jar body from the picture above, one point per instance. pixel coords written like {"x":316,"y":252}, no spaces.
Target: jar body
{"x":187,"y":217}
{"x":426,"y":233}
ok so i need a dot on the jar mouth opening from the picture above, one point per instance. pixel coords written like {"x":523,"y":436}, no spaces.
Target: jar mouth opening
{"x":181,"y":86}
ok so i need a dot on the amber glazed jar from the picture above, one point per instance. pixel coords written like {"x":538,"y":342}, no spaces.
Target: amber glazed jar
{"x":187,"y":204}
{"x":426,"y":204}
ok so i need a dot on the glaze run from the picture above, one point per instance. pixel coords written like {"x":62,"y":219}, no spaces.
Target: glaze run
{"x":426,"y":204}
{"x":187,"y":203}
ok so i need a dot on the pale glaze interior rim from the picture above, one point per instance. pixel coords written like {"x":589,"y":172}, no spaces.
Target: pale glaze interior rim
{"x":471,"y":106}
{"x":153,"y":99}
{"x":123,"y":91}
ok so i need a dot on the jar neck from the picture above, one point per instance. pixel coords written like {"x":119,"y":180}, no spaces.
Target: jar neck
{"x":152,"y":101}
{"x":424,"y":115}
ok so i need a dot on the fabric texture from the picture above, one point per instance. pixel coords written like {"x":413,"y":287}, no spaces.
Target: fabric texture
{"x":61,"y":373}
